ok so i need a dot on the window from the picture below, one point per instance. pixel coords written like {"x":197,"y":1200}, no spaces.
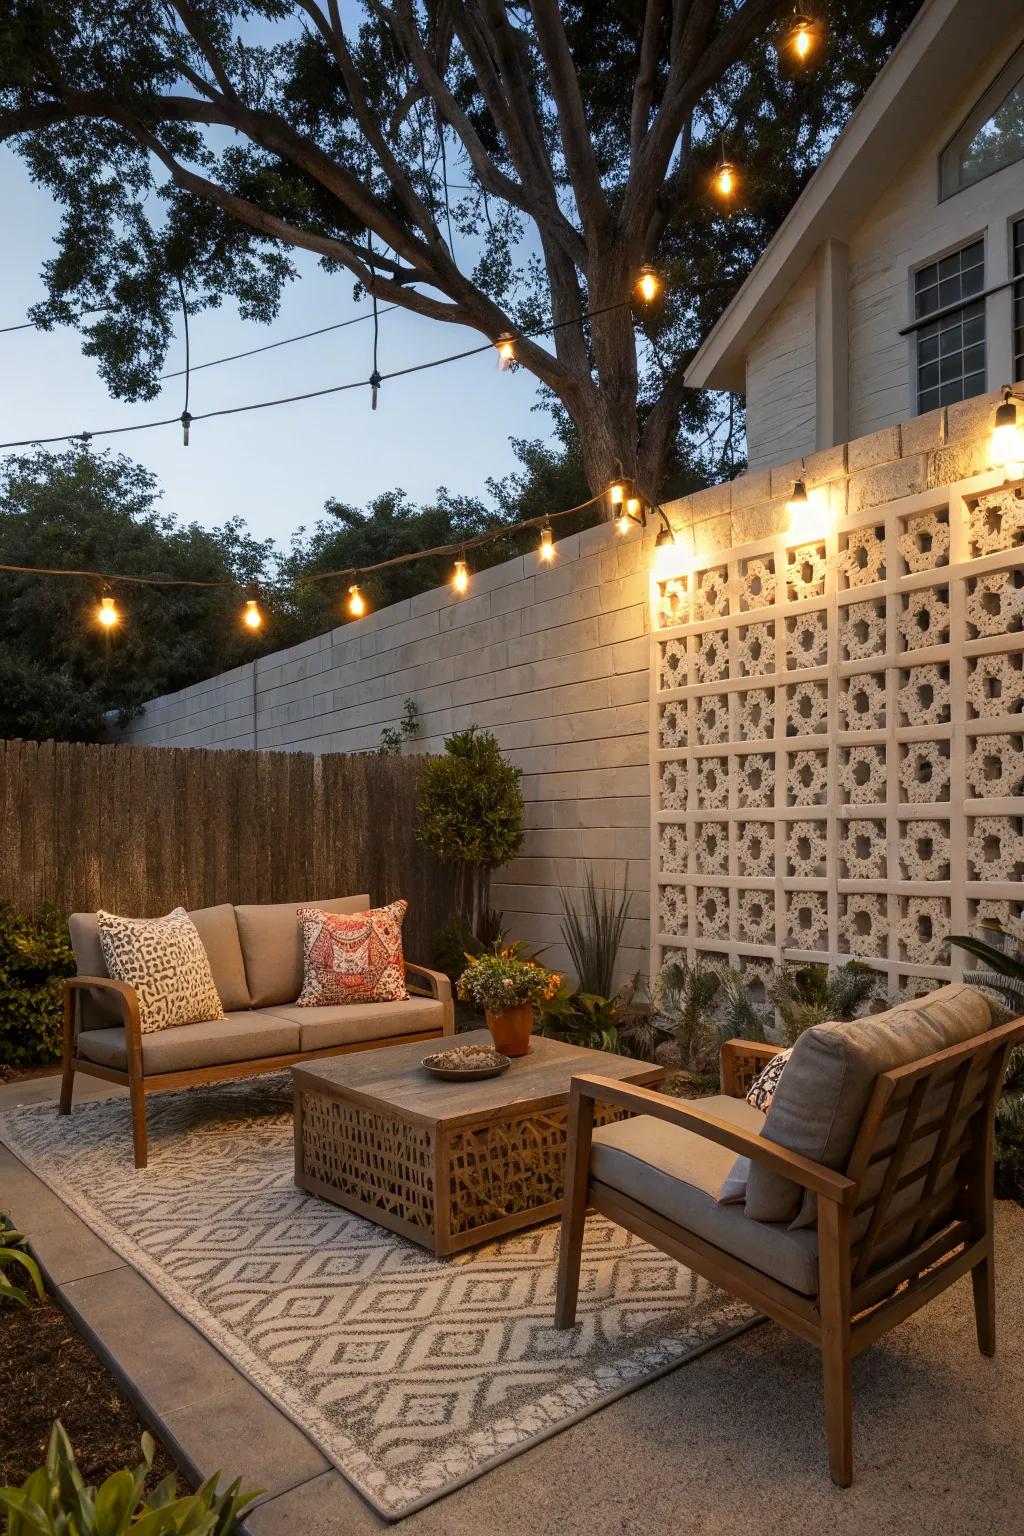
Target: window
{"x":951,"y":348}
{"x":1018,"y":300}
{"x":992,"y":136}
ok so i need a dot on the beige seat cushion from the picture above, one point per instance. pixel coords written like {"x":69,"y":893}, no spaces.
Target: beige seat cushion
{"x":682,"y":1175}
{"x":823,"y":1093}
{"x":219,"y":933}
{"x":272,"y":946}
{"x":221,"y":1042}
{"x":354,"y":1023}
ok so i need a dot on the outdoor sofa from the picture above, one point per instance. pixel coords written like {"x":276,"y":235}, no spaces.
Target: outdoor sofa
{"x":863,"y":1193}
{"x":255,"y":954}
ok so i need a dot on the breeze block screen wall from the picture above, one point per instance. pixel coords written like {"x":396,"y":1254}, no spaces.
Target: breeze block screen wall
{"x":837,"y":739}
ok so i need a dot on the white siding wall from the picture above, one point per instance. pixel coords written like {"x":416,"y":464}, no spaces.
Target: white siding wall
{"x":553,"y":660}
{"x":781,"y":380}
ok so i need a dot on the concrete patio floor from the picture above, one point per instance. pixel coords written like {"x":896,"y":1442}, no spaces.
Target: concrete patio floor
{"x":731,"y":1443}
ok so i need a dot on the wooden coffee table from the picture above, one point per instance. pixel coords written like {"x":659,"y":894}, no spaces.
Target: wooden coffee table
{"x":448,"y":1165}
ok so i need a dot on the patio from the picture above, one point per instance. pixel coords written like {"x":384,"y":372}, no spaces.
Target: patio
{"x":729,"y":1444}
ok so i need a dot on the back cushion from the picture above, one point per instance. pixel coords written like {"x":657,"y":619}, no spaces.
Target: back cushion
{"x":823,"y":1093}
{"x":219,"y":933}
{"x":272,"y":946}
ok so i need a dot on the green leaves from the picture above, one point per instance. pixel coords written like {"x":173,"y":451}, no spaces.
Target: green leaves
{"x":593,"y":933}
{"x":35,"y":952}
{"x":471,"y":806}
{"x":13,"y":1252}
{"x":55,"y":1501}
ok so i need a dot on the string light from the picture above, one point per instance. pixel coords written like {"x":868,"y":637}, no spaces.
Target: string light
{"x":186,"y":422}
{"x":725,"y":180}
{"x":616,"y":493}
{"x":546,"y":552}
{"x":252,"y":618}
{"x":649,"y":284}
{"x":801,"y":37}
{"x":107,"y":613}
{"x":1007,"y":448}
{"x":460,"y":578}
{"x":356,"y":602}
{"x":506,"y":353}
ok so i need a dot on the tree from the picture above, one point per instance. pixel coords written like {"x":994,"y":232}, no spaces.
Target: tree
{"x":495,"y":165}
{"x":471,"y":815}
{"x":59,"y":675}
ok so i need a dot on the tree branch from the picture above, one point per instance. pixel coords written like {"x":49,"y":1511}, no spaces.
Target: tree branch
{"x":643,"y":88}
{"x":577,"y":143}
{"x":202,"y":41}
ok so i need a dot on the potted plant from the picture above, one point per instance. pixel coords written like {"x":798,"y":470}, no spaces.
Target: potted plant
{"x":508,"y":989}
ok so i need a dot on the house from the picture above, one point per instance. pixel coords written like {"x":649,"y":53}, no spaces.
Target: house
{"x":896,"y":283}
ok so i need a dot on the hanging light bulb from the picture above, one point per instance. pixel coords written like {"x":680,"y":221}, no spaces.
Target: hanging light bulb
{"x":186,"y":422}
{"x":805,"y":522}
{"x":108,"y":613}
{"x":356,"y":602}
{"x":506,"y":353}
{"x":725,"y":179}
{"x":801,"y":37}
{"x":797,"y":502}
{"x":1007,"y":450}
{"x":460,"y":578}
{"x":616,"y":493}
{"x":649,"y":284}
{"x":546,"y":552}
{"x":252,"y":618}
{"x":375,"y":383}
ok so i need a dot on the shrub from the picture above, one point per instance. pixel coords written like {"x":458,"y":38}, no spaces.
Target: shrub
{"x":35,"y":952}
{"x":1009,"y":1180}
{"x":471,"y":815}
{"x":812,"y":994}
{"x":685,"y":994}
{"x":14,"y":1255}
{"x":55,"y":1501}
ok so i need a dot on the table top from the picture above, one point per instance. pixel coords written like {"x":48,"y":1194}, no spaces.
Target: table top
{"x":393,"y":1078}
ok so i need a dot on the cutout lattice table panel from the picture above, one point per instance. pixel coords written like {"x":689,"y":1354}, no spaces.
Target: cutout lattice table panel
{"x":837,"y":741}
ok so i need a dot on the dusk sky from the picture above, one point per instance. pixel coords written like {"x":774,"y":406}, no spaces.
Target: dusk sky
{"x":274,"y":468}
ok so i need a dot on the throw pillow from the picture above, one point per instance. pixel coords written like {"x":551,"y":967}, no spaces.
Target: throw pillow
{"x":352,"y":957}
{"x":762,"y":1089}
{"x":164,"y":960}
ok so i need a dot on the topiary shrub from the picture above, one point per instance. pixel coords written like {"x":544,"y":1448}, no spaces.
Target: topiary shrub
{"x":1009,"y":1175}
{"x":35,"y":953}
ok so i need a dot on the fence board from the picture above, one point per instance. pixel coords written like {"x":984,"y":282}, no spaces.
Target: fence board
{"x":142,"y":829}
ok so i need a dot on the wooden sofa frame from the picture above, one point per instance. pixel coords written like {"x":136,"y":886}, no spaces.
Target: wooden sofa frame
{"x":419,"y":981}
{"x":857,"y":1301}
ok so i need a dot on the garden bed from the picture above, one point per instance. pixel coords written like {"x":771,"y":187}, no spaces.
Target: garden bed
{"x":49,"y":1372}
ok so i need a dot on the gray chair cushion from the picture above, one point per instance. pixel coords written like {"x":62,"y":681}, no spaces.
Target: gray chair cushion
{"x":217,"y":929}
{"x":681,"y":1175}
{"x":354,"y":1023}
{"x":222,"y":1042}
{"x":823,"y":1093}
{"x":272,"y":946}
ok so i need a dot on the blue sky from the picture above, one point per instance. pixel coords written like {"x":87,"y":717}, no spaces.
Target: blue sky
{"x":274,"y":468}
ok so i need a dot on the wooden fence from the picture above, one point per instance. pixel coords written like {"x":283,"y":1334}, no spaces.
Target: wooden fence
{"x":142,"y":829}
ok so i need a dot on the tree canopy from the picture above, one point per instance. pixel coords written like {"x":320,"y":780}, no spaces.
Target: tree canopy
{"x":506,"y":166}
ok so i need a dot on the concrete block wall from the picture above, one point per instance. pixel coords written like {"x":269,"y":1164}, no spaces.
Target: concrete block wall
{"x":554,"y":660}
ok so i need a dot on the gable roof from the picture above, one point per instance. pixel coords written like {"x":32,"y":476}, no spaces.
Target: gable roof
{"x":947,"y":43}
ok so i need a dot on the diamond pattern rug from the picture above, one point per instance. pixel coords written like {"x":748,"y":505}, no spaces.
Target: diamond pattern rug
{"x":412,"y":1374}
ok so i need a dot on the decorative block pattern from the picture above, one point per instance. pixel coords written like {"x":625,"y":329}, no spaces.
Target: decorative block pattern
{"x":673,"y":602}
{"x":845,"y":770}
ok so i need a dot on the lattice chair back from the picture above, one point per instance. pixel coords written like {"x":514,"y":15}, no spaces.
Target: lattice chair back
{"x":923,"y":1161}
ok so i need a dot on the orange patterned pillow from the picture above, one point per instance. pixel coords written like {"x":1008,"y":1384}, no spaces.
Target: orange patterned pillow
{"x":352,"y":957}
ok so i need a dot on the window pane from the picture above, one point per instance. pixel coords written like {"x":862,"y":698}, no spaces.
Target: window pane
{"x":998,"y":142}
{"x":957,"y":340}
{"x":928,"y":376}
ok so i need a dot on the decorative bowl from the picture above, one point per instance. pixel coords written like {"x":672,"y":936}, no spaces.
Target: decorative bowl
{"x":466,"y":1063}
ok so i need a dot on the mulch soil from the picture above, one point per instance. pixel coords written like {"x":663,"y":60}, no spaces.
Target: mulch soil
{"x":48,"y":1372}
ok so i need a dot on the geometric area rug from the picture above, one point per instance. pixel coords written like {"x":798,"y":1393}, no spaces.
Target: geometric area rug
{"x":412,"y":1374}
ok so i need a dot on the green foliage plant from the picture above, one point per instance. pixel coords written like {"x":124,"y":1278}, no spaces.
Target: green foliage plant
{"x":814,"y":994}
{"x":592,"y":933}
{"x":684,"y":995}
{"x":471,"y":815}
{"x":56,"y":1501}
{"x":14,"y":1254}
{"x":1002,"y":964}
{"x":1009,"y":1148}
{"x":498,"y":982}
{"x":394,"y":737}
{"x":742,"y":1018}
{"x":35,"y":953}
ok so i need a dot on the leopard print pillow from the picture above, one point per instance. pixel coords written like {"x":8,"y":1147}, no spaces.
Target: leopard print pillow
{"x":762,"y":1089}
{"x":163,"y":958}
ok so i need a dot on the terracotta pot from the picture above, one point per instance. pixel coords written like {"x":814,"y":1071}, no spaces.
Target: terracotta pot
{"x":511,"y":1029}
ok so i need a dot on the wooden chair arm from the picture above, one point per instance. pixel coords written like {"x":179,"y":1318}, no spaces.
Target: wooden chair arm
{"x":436,"y":982}
{"x":740,"y":1061}
{"x":129,"y":1001}
{"x":642,"y":1101}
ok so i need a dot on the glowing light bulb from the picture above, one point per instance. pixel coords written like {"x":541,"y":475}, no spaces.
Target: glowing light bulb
{"x":633,"y":507}
{"x":670,"y":557}
{"x":107,"y":613}
{"x":725,"y":179}
{"x":356,"y":602}
{"x":616,"y":493}
{"x":506,"y":354}
{"x":460,"y":578}
{"x":622,"y":524}
{"x":251,"y":617}
{"x":649,"y":284}
{"x":546,"y":552}
{"x":801,"y":39}
{"x":1007,"y":448}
